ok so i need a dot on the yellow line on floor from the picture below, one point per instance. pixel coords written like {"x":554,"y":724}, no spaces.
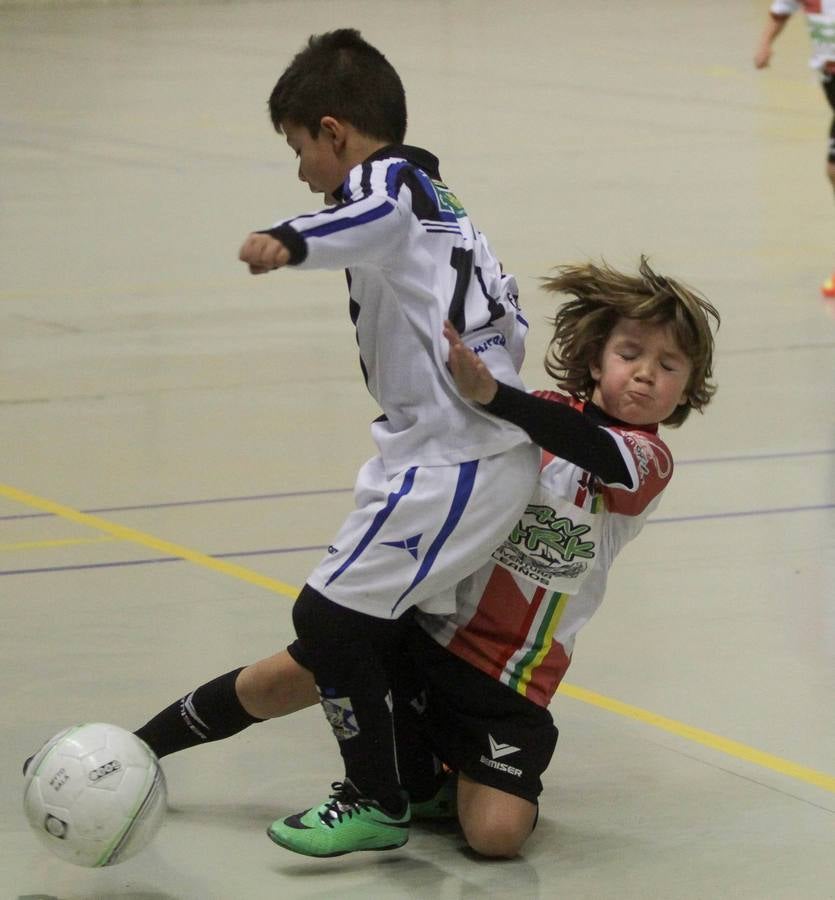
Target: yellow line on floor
{"x":147,"y":540}
{"x":706,"y":738}
{"x":697,"y":735}
{"x":64,"y":542}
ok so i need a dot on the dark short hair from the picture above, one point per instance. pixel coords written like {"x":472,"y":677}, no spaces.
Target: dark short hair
{"x":340,"y":74}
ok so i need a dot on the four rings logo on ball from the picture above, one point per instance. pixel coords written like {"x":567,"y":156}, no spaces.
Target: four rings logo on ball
{"x":104,"y":770}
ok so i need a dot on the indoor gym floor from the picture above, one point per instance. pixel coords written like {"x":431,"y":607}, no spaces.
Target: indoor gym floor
{"x":180,"y":439}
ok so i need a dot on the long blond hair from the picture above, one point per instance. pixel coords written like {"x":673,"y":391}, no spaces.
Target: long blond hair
{"x":600,"y":297}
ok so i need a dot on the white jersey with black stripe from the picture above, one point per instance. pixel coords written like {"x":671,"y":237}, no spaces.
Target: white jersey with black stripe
{"x":414,"y":258}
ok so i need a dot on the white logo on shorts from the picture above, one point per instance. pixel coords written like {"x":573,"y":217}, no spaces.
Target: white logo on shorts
{"x":497,"y":750}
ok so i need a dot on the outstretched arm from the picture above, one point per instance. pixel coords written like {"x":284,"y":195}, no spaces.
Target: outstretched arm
{"x":366,"y":229}
{"x":773,"y":27}
{"x":263,"y":253}
{"x":555,"y":427}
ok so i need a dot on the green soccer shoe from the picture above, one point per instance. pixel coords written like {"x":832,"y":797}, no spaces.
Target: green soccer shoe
{"x":343,"y":824}
{"x":442,"y":806}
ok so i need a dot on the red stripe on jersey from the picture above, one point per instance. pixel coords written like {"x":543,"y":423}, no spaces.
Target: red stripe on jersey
{"x":582,"y":490}
{"x":653,"y":465}
{"x":499,"y":627}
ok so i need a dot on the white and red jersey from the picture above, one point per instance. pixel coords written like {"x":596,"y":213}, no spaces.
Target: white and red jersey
{"x":820,"y":17}
{"x":517,"y":617}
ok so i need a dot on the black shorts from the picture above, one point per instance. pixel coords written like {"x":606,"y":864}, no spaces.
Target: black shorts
{"x":479,"y":726}
{"x":470,"y":721}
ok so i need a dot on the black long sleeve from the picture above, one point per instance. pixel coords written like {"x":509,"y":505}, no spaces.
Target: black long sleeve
{"x":563,"y":431}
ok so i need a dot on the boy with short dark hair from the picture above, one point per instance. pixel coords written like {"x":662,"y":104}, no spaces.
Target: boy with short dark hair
{"x":449,"y":480}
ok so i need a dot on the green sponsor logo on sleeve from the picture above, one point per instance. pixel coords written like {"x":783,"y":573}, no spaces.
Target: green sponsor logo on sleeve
{"x":447,"y":201}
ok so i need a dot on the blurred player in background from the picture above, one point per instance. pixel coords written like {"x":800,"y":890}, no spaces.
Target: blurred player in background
{"x":820,"y":17}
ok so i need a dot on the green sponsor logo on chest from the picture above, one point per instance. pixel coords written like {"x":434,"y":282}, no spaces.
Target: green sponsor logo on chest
{"x":551,"y":533}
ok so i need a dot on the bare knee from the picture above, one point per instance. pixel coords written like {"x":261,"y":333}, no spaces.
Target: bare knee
{"x":496,"y":824}
{"x":496,"y":840}
{"x":830,"y":172}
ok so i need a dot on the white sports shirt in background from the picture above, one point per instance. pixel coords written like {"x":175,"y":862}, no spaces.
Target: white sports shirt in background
{"x":820,"y":17}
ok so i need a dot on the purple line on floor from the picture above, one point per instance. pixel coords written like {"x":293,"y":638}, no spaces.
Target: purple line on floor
{"x":733,"y":515}
{"x":172,"y":503}
{"x":158,"y":559}
{"x":279,"y":550}
{"x":281,"y":495}
{"x":755,"y":457}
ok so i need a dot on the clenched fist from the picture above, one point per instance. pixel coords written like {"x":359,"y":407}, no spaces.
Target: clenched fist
{"x":263,"y":253}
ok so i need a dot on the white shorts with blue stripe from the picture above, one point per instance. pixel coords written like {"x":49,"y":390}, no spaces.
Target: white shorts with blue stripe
{"x":414,"y":536}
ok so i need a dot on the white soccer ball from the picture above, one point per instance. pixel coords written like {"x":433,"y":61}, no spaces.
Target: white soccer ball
{"x":95,"y":794}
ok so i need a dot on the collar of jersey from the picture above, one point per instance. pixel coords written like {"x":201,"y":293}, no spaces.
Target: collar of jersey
{"x":423,"y":159}
{"x":596,"y":414}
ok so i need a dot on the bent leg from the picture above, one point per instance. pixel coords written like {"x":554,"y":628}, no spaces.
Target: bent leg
{"x":275,"y":686}
{"x":471,"y":720}
{"x":496,"y":824}
{"x":224,"y":706}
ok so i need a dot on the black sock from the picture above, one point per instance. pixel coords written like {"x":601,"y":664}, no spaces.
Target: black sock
{"x":421,"y":772}
{"x":369,"y":751}
{"x":210,"y":712}
{"x":345,"y":649}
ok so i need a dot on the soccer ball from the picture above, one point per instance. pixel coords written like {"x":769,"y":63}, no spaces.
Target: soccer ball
{"x":94,"y":794}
